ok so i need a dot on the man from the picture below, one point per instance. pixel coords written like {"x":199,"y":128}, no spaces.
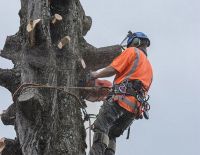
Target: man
{"x":133,"y":78}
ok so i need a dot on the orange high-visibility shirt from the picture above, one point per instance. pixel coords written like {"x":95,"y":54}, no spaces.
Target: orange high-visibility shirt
{"x":132,"y":64}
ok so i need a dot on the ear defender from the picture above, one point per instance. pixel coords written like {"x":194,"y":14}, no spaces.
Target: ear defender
{"x":136,"y":42}
{"x":137,"y":39}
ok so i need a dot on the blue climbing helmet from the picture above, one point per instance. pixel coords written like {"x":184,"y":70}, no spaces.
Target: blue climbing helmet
{"x":137,"y":38}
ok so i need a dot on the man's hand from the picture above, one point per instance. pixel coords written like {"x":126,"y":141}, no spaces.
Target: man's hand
{"x":94,"y":75}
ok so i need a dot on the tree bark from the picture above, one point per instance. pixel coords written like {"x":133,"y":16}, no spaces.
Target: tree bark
{"x":8,"y":116}
{"x":49,"y":121}
{"x":9,"y":147}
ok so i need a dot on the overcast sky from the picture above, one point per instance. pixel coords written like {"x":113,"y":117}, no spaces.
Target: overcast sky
{"x":173,"y":27}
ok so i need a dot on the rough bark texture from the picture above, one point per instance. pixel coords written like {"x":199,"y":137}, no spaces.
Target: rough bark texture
{"x":8,"y":116}
{"x":11,"y":147}
{"x":48,"y":121}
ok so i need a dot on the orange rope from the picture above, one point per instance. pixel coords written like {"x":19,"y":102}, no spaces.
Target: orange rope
{"x":34,"y":85}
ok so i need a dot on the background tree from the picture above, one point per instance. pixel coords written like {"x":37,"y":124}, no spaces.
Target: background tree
{"x":49,"y":49}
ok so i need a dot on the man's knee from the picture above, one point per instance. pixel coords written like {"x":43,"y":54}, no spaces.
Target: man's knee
{"x":100,"y":137}
{"x":121,"y":125}
{"x":110,"y":150}
{"x":98,"y":126}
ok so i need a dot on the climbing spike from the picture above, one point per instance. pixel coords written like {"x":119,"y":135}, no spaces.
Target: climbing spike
{"x":31,"y":30}
{"x":56,"y":18}
{"x":65,"y":40}
{"x":2,"y":144}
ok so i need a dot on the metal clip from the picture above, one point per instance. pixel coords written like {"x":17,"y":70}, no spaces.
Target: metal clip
{"x":146,"y":114}
{"x":122,"y":89}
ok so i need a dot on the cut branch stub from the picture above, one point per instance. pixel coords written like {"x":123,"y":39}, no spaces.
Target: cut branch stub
{"x":97,"y":58}
{"x":2,"y":144}
{"x":82,"y":63}
{"x":31,"y":30}
{"x":8,"y":116}
{"x":87,"y":23}
{"x":12,"y":48}
{"x":32,"y":24}
{"x":9,"y":147}
{"x":56,"y":18}
{"x":29,"y":102}
{"x":9,"y":78}
{"x":64,"y":41}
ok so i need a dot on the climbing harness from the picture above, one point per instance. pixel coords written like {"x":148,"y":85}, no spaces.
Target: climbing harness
{"x":134,"y":88}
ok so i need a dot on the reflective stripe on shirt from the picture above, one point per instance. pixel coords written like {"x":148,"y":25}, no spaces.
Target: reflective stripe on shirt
{"x":134,"y":65}
{"x":129,"y":103}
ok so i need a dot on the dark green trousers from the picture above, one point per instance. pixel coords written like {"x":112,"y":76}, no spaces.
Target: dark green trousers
{"x":112,"y":120}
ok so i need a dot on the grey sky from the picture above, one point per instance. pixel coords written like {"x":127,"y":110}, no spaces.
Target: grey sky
{"x":174,"y":29}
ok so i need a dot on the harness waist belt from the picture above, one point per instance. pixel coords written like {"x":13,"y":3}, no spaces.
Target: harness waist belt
{"x":132,"y":88}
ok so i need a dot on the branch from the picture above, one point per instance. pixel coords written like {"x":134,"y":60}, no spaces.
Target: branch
{"x":9,"y":147}
{"x":87,"y":23}
{"x":8,"y":116}
{"x":29,"y":102}
{"x":10,"y":79}
{"x":97,"y":58}
{"x":56,"y":18}
{"x":11,"y":48}
{"x":31,"y":29}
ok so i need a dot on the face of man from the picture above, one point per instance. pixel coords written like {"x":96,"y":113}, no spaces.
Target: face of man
{"x":142,"y":46}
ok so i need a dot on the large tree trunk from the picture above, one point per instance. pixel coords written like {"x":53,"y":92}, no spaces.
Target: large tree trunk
{"x":49,"y":121}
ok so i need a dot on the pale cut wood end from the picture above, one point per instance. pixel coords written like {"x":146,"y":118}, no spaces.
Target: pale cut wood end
{"x":2,"y":144}
{"x":32,"y":24}
{"x":56,"y":18}
{"x":64,"y":41}
{"x":83,"y":63}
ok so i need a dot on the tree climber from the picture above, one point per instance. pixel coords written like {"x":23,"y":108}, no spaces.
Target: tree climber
{"x":124,"y":104}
